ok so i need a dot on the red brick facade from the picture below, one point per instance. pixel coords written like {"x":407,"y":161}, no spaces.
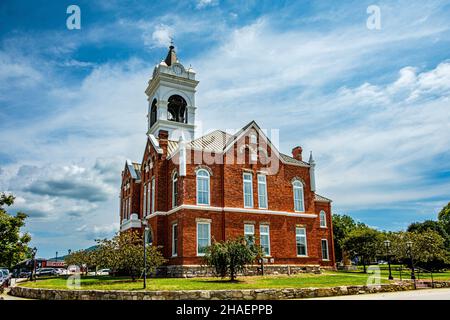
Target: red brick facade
{"x":225,"y":212}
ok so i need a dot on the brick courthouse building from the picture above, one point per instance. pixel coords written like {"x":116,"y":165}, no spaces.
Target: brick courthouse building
{"x":191,"y":192}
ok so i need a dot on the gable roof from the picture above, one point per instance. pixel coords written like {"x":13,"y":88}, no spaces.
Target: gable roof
{"x":134,"y":168}
{"x":321,"y":198}
{"x":219,"y":141}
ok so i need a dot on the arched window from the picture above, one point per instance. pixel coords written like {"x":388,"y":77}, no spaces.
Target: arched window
{"x":174,"y":190}
{"x":299,"y":204}
{"x":149,"y":236}
{"x":323,"y":219}
{"x":176,"y":109}
{"x":153,"y":113}
{"x":203,"y":187}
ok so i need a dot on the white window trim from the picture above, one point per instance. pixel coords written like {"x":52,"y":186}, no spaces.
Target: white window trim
{"x":266,"y":205}
{"x":306,"y":243}
{"x":174,"y":185}
{"x":249,"y":234}
{"x":328,"y":250}
{"x":251,"y":188}
{"x":145,"y":200}
{"x":174,"y":247}
{"x":301,"y":187}
{"x":268,"y":238}
{"x":208,"y":178}
{"x":209,"y":237}
{"x":153,"y":184}
{"x":324,"y":219}
{"x":148,"y":199}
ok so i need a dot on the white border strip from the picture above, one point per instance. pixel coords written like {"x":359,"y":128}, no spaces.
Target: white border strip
{"x":231,"y":209}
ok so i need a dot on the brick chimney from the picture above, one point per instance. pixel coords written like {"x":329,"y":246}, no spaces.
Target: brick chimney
{"x":163,"y":136}
{"x":297,"y":153}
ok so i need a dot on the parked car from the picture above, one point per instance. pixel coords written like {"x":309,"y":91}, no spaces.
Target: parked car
{"x":24,"y":274}
{"x":42,"y":272}
{"x":5,"y":277}
{"x":103,"y":272}
{"x":61,"y":271}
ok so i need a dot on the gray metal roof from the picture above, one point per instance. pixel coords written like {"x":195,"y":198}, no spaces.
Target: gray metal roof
{"x":135,"y":170}
{"x":321,"y":198}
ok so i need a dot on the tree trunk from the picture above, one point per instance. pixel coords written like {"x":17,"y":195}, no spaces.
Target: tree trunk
{"x":364,"y":264}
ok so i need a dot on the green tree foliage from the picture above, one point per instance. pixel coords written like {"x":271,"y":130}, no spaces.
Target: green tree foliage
{"x":428,"y":249}
{"x":230,"y":257}
{"x":83,"y":258}
{"x":13,"y":245}
{"x":444,"y":217}
{"x":342,"y":226}
{"x":125,"y":252}
{"x":363,"y":243}
{"x":436,"y":226}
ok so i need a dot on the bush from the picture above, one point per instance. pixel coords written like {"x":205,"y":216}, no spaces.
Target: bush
{"x":230,"y":257}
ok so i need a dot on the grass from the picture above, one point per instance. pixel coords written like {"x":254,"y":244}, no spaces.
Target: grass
{"x":326,"y":279}
{"x":405,"y":273}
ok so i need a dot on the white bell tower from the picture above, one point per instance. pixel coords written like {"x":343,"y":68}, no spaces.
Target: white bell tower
{"x":171,"y":99}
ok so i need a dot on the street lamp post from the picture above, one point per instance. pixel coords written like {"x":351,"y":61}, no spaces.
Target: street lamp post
{"x":387,"y":245}
{"x":56,"y":258}
{"x":409,"y":246}
{"x":69,"y":252}
{"x":33,"y":255}
{"x":144,"y":223}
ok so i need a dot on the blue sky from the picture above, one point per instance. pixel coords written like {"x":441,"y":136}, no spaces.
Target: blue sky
{"x":373,"y":105}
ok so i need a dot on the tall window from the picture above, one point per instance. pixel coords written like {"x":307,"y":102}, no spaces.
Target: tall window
{"x":249,"y":233}
{"x":325,"y":249}
{"x":298,"y":196}
{"x":144,"y":202}
{"x":174,"y":190}
{"x":202,"y":187}
{"x":153,"y":195}
{"x":248,"y":190}
{"x":264,"y":238}
{"x":174,"y":239}
{"x":203,"y":237}
{"x":323,"y":219}
{"x":129,"y":208}
{"x":262,"y":191}
{"x":148,"y":198}
{"x":300,"y":238}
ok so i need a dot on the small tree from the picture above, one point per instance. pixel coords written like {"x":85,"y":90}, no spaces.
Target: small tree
{"x":125,"y":252}
{"x":82,"y":258}
{"x":13,"y":245}
{"x":230,"y":257}
{"x":342,"y":226}
{"x":363,"y":242}
{"x":444,"y":217}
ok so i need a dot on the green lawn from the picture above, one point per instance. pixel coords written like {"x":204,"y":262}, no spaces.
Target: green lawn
{"x":405,"y":273}
{"x":327,"y":279}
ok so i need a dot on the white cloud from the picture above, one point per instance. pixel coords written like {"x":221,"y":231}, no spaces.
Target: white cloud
{"x":161,"y":36}
{"x":206,"y":3}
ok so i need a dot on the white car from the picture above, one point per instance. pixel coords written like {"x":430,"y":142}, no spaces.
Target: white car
{"x":103,"y":272}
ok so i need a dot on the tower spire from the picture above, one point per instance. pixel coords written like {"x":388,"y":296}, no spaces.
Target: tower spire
{"x":171,"y":57}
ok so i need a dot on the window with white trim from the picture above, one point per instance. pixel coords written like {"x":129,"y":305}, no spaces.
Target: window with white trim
{"x":203,"y":187}
{"x":129,"y":208}
{"x":153,"y":195}
{"x":249,"y":233}
{"x":264,"y":239}
{"x":174,"y":240}
{"x":248,"y":190}
{"x":325,"y":249}
{"x":148,"y":199}
{"x":298,"y":196}
{"x":203,"y":237}
{"x":144,"y":201}
{"x":149,"y":236}
{"x":323,"y":219}
{"x":174,"y":190}
{"x":262,"y":191}
{"x":300,"y":239}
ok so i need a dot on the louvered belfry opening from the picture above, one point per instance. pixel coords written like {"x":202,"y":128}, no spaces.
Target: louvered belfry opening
{"x":177,"y":109}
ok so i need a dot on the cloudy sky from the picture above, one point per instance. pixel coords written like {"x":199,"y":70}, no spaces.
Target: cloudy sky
{"x":372,"y":104}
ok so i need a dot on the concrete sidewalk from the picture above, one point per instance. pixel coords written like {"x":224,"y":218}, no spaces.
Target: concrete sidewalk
{"x":423,"y":294}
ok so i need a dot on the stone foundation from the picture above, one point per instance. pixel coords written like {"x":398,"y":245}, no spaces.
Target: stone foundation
{"x":189,"y":271}
{"x":248,"y":294}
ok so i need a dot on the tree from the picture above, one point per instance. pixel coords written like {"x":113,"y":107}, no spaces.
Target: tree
{"x":230,"y":257}
{"x":444,"y":217}
{"x":82,"y":258}
{"x":363,"y":242}
{"x":428,"y":249}
{"x":125,"y":251}
{"x":342,"y":226}
{"x":431,"y":225}
{"x":13,"y":245}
